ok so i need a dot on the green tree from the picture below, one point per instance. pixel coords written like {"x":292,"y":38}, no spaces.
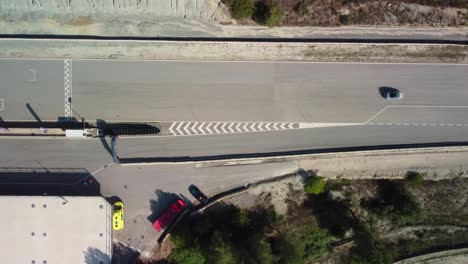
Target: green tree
{"x":315,"y":185}
{"x":187,"y":256}
{"x":316,"y":242}
{"x":289,"y":249}
{"x":224,"y":252}
{"x":242,"y":8}
{"x":370,"y":248}
{"x":396,"y":204}
{"x":263,"y":252}
{"x":243,"y":218}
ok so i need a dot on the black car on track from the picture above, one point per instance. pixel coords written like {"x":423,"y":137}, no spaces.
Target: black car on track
{"x":197,"y":194}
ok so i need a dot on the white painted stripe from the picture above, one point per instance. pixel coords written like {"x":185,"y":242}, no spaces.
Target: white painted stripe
{"x":208,"y":128}
{"x":178,"y":128}
{"x":378,"y":113}
{"x":244,"y":125}
{"x":196,"y":128}
{"x":222,"y":127}
{"x":2,"y":105}
{"x":185,"y":128}
{"x":231,"y":130}
{"x":172,"y":127}
{"x":237,"y":127}
{"x":428,"y":106}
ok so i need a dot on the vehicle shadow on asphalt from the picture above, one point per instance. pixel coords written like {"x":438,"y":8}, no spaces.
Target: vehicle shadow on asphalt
{"x":160,"y":203}
{"x":53,"y":181}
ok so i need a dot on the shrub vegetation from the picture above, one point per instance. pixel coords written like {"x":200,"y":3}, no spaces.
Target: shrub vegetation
{"x":241,"y":9}
{"x":315,"y":185}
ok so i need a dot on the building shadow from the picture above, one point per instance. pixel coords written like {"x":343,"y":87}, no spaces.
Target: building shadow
{"x":101,"y":124}
{"x":96,"y":256}
{"x":161,"y":203}
{"x":122,"y":254}
{"x":54,"y":181}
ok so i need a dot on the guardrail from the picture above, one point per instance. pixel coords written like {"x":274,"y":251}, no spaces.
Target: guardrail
{"x":227,"y":157}
{"x":242,"y":39}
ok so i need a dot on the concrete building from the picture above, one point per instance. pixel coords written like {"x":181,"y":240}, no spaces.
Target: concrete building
{"x":55,"y":230}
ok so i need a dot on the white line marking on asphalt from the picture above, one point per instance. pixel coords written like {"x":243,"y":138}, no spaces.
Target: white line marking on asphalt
{"x":2,"y":106}
{"x":178,"y":128}
{"x":33,"y":71}
{"x":222,"y":127}
{"x":428,"y":106}
{"x":208,"y":128}
{"x":172,"y":127}
{"x":237,"y":127}
{"x":215,"y":127}
{"x":378,"y":113}
{"x":185,"y":128}
{"x":230,"y":128}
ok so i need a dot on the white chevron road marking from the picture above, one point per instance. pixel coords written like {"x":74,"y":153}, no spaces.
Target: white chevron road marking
{"x":189,"y":128}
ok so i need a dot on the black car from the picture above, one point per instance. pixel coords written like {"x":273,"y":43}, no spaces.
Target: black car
{"x":197,"y":193}
{"x":390,"y":93}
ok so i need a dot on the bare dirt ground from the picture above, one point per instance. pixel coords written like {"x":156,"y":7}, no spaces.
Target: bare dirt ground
{"x":211,"y":18}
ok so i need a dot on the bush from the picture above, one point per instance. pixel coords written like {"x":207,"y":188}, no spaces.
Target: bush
{"x":315,"y":185}
{"x":273,"y":16}
{"x":241,"y":9}
{"x":370,"y":247}
{"x":396,"y":204}
{"x":414,"y":179}
{"x":187,"y":256}
{"x":345,"y":20}
{"x":267,"y":13}
{"x":301,"y":9}
{"x":316,"y":243}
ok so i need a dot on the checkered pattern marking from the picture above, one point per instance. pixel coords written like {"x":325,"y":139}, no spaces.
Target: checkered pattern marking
{"x":67,"y":78}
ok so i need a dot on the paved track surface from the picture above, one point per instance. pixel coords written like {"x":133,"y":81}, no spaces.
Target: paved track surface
{"x":434,"y":109}
{"x":223,"y":91}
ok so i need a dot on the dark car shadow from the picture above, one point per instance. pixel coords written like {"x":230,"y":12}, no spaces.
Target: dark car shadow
{"x":161,"y":203}
{"x":52,"y":181}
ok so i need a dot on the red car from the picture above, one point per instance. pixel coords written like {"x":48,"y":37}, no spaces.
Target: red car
{"x":167,"y":216}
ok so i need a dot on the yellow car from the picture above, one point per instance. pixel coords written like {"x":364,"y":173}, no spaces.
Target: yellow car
{"x":118,"y":215}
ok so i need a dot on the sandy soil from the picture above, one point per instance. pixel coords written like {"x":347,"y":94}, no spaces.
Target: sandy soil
{"x":231,"y":51}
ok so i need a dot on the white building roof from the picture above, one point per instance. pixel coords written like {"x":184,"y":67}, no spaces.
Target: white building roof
{"x":53,"y":230}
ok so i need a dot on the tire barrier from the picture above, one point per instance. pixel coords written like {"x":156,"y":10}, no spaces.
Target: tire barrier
{"x":128,"y":129}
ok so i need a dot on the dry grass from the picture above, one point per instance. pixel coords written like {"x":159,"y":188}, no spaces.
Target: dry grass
{"x":389,"y":53}
{"x":80,"y":21}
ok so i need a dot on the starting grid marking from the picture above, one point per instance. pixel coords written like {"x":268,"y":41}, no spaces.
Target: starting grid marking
{"x":208,"y":128}
{"x":67,"y":83}
{"x":415,"y":124}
